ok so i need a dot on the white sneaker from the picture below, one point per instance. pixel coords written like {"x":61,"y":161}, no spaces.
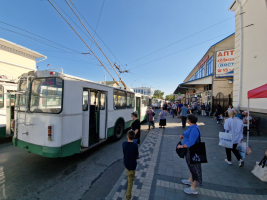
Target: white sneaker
{"x":229,"y":163}
{"x":186,"y":182}
{"x":190,"y":191}
{"x":241,"y":163}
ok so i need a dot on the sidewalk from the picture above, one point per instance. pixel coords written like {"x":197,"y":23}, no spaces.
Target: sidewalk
{"x":160,"y":170}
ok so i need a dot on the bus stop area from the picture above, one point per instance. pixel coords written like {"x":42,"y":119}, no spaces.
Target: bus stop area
{"x":160,"y":171}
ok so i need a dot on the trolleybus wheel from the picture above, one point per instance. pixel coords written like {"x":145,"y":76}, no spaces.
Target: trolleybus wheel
{"x":118,"y":131}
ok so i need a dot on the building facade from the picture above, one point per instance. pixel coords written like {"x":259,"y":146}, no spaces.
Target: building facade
{"x":14,"y":61}
{"x":211,"y":80}
{"x":144,"y":90}
{"x":250,"y":57}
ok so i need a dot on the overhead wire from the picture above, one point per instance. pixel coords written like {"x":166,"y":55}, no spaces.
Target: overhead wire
{"x":96,"y":33}
{"x":96,"y":43}
{"x":178,"y":51}
{"x":83,"y":42}
{"x":98,"y":17}
{"x":179,"y":41}
{"x":39,"y":41}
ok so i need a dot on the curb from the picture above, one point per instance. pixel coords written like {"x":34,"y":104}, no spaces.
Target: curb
{"x":118,"y":183}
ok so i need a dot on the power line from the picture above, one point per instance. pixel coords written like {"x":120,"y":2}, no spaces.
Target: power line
{"x":96,"y":44}
{"x":73,"y":21}
{"x":99,"y":18}
{"x":179,"y":51}
{"x":179,"y":40}
{"x":38,"y":36}
{"x":96,"y":34}
{"x":42,"y":42}
{"x":83,"y":41}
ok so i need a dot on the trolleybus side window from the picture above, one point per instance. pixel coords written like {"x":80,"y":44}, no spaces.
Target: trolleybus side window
{"x":46,"y":95}
{"x":1,"y":96}
{"x":102,"y":100}
{"x":119,"y":99}
{"x":144,"y":103}
{"x":85,"y":100}
{"x":21,"y":99}
{"x":130,"y":100}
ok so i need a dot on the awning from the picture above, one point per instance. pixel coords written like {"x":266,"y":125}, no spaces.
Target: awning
{"x":183,"y":87}
{"x":259,"y":92}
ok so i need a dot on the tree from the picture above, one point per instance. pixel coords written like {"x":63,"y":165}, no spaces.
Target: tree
{"x":170,"y":97}
{"x":158,"y":94}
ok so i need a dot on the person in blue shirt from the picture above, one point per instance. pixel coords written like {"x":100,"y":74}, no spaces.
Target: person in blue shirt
{"x":130,"y":154}
{"x":190,"y":137}
{"x":184,"y":112}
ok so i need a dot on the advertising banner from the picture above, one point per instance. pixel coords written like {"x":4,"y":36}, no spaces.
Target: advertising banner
{"x":225,"y":63}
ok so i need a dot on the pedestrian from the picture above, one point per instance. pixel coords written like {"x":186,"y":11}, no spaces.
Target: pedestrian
{"x":234,"y":125}
{"x":180,"y":105}
{"x":203,"y":108}
{"x":165,"y":106}
{"x":208,"y":109}
{"x":174,"y":110}
{"x":162,"y":121}
{"x":184,"y":112}
{"x":136,"y":127}
{"x":190,"y":137}
{"x":130,"y":154}
{"x":151,"y":114}
{"x":218,"y":112}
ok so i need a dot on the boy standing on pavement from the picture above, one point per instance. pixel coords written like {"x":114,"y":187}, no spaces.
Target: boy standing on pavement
{"x":130,"y":151}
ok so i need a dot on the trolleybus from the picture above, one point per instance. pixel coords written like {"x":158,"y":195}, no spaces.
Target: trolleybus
{"x":59,"y":115}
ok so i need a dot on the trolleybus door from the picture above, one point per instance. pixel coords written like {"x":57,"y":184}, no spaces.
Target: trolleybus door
{"x":85,"y":120}
{"x":103,"y":115}
{"x":138,"y":107}
{"x":94,"y":117}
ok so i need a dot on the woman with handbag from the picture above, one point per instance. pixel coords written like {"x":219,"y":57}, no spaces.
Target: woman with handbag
{"x":190,"y":137}
{"x":151,"y":115}
{"x":234,"y":125}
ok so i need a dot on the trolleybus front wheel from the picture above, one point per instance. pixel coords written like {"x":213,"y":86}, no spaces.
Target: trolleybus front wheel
{"x":118,"y":131}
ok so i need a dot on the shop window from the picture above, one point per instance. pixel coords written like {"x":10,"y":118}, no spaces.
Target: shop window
{"x":192,"y":78}
{"x":210,"y":66}
{"x":200,"y":73}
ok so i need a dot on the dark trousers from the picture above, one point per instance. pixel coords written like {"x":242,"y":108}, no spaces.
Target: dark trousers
{"x":183,"y":121}
{"x":151,"y":123}
{"x":228,"y":153}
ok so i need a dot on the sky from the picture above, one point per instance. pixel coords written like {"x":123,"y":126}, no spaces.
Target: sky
{"x":158,"y":41}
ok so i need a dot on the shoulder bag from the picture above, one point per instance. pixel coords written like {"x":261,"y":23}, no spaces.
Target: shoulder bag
{"x":182,"y":151}
{"x":198,"y":152}
{"x":260,"y":169}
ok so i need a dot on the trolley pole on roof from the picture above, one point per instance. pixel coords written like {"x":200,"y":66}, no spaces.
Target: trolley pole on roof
{"x":84,"y":42}
{"x":125,"y":87}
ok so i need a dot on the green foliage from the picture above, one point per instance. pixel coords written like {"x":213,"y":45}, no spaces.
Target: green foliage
{"x":170,"y":97}
{"x":158,"y":94}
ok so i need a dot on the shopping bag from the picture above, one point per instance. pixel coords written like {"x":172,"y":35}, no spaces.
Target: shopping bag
{"x":181,"y":152}
{"x":242,"y":149}
{"x":260,"y":170}
{"x":248,"y":151}
{"x":198,"y":152}
{"x":171,"y":113}
{"x":226,"y":140}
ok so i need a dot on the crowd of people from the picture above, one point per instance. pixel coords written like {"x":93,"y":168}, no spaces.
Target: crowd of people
{"x":233,"y":123}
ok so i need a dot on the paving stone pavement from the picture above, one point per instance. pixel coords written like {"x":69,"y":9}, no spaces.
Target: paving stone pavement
{"x":160,"y":170}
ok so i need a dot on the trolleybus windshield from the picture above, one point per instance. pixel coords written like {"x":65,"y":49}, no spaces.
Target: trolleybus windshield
{"x":46,"y":95}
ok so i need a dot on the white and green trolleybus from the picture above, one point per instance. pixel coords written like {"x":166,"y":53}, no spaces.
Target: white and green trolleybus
{"x":59,"y":115}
